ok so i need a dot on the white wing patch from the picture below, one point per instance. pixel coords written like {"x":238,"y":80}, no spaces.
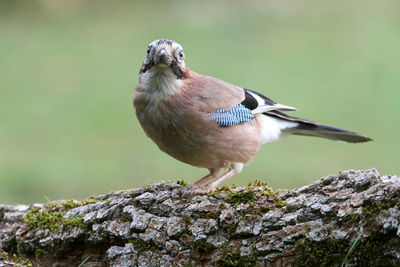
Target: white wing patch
{"x":271,"y":128}
{"x":266,"y":108}
{"x":263,"y":107}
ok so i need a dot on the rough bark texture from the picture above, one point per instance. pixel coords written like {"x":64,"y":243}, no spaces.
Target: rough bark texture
{"x":162,"y":225}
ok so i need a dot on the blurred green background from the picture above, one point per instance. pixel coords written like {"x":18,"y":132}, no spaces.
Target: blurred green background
{"x":68,"y":70}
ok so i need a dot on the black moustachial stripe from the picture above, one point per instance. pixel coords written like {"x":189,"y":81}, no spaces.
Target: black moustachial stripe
{"x":147,"y":67}
{"x":176,"y":70}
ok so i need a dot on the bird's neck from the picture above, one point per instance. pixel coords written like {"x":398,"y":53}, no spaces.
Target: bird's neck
{"x":160,"y":82}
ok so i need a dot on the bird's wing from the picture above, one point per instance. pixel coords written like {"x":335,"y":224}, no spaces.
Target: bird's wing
{"x":228,"y":104}
{"x":213,"y":94}
{"x":253,"y":104}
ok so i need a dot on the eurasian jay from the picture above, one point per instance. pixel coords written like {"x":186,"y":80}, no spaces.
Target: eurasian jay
{"x":209,"y":123}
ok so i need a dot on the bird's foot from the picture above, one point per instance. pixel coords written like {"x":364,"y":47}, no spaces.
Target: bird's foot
{"x":194,"y":190}
{"x":210,"y":187}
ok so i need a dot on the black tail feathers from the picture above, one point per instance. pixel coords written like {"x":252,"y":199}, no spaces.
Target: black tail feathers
{"x":329,"y":132}
{"x":310,"y":128}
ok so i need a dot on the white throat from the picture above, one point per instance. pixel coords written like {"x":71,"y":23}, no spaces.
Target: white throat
{"x":159,"y":82}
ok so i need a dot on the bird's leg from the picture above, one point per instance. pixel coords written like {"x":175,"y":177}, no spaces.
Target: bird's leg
{"x":213,"y":185}
{"x":235,"y":168}
{"x":214,"y":173}
{"x":195,"y":189}
{"x":203,"y":180}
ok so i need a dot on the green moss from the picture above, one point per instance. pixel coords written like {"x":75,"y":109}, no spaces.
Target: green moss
{"x":18,"y":258}
{"x":20,"y":261}
{"x":52,"y":220}
{"x":371,"y":251}
{"x":259,"y":211}
{"x":4,"y":255}
{"x":265,"y":190}
{"x":247,"y":196}
{"x":220,"y":189}
{"x":203,"y":247}
{"x":213,"y":214}
{"x":279,"y":203}
{"x":143,"y":246}
{"x":241,"y":196}
{"x":208,"y":215}
{"x":52,"y":215}
{"x":186,"y":219}
{"x":70,"y":204}
{"x":374,"y":250}
{"x":182,"y":183}
{"x":223,"y":245}
{"x":74,"y":222}
{"x":354,"y":219}
{"x":257,"y":183}
{"x":372,"y":209}
{"x":19,"y":247}
{"x":319,"y":254}
{"x":229,"y":229}
{"x":38,"y":253}
{"x":222,"y":207}
{"x":185,"y":234}
{"x":234,"y":259}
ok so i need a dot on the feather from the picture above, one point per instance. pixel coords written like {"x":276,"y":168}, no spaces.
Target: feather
{"x":229,"y":117}
{"x":310,"y":128}
{"x":259,"y":103}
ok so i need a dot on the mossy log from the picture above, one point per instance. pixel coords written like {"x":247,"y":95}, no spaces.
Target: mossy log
{"x":164,"y":225}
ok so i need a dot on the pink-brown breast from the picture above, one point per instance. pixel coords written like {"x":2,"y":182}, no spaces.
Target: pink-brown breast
{"x":180,"y":125}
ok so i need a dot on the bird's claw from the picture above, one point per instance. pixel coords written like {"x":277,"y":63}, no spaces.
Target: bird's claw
{"x":194,"y":190}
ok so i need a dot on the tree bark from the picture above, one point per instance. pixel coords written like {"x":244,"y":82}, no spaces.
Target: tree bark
{"x":164,"y":225}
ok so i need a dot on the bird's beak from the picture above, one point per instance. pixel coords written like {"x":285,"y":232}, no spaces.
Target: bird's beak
{"x":162,"y":57}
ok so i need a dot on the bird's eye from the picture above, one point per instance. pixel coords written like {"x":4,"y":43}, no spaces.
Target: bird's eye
{"x":148,"y":50}
{"x":181,"y":55}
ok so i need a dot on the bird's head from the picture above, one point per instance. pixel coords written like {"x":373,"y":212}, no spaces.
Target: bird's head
{"x":165,"y":53}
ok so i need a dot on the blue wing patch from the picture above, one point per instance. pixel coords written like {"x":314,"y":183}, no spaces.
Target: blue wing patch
{"x":229,"y":117}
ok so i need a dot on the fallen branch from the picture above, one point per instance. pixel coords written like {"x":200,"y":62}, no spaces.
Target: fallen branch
{"x":160,"y":225}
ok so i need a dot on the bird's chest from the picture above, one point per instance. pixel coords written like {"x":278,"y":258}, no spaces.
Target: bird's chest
{"x":169,"y":124}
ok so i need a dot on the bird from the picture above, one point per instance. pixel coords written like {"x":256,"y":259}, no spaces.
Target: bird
{"x":209,"y":123}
